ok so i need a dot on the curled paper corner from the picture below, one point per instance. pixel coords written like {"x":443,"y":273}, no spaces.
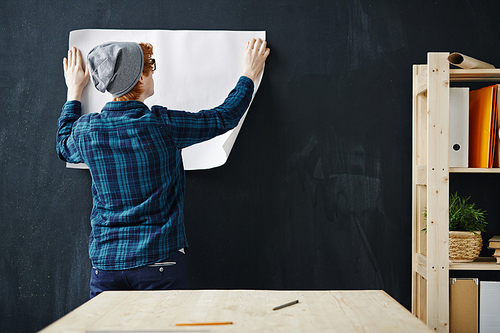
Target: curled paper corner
{"x":466,"y":62}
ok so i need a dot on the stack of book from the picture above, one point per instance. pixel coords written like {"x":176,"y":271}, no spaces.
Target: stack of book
{"x":495,"y":245}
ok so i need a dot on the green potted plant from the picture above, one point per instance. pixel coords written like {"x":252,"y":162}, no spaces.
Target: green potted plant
{"x":466,"y":224}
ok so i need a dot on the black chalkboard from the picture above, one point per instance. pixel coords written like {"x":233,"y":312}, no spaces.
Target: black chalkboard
{"x":317,"y":191}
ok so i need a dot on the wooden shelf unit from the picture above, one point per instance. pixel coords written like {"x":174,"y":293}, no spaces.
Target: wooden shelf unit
{"x":430,"y":189}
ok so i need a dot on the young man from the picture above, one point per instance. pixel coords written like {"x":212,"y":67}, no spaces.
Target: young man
{"x":133,"y":153}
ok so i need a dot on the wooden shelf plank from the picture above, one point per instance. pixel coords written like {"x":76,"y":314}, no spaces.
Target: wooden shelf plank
{"x":468,"y":75}
{"x":480,"y":264}
{"x":474,"y":170}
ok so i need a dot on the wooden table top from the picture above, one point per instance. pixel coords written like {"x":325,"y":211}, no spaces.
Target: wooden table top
{"x":248,"y":310}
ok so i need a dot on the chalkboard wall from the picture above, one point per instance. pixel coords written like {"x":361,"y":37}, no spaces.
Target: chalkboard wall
{"x":317,"y":191}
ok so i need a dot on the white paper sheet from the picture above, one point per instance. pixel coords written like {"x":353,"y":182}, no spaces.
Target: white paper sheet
{"x":195,"y":70}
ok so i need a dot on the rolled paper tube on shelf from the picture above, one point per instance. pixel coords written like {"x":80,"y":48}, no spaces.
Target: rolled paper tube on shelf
{"x":467,"y":62}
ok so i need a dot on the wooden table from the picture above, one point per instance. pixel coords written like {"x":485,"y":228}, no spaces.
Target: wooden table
{"x":248,"y":310}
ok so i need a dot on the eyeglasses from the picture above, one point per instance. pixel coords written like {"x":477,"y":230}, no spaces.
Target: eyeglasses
{"x":153,"y":63}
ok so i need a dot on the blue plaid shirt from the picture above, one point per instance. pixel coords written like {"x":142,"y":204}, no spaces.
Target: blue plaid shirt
{"x":138,"y":181}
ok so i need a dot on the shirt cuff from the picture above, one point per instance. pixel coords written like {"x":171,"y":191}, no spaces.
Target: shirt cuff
{"x":247,"y":80}
{"x":73,"y":107}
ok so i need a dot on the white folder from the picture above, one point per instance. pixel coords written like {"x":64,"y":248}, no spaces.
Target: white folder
{"x":489,"y":314}
{"x":459,"y":127}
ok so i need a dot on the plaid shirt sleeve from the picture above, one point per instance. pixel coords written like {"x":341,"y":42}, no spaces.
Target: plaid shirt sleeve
{"x":66,"y":147}
{"x":188,"y":128}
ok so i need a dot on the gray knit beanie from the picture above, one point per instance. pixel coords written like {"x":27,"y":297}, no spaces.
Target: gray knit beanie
{"x":116,"y":66}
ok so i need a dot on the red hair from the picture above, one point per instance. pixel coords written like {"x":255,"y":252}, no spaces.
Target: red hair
{"x":136,"y":92}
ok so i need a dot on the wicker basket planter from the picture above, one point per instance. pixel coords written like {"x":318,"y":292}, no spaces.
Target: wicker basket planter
{"x":465,"y":246}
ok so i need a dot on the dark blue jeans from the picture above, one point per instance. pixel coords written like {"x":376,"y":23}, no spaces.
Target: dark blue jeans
{"x":170,"y":275}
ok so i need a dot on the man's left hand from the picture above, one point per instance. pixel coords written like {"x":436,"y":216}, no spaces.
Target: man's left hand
{"x":76,"y":74}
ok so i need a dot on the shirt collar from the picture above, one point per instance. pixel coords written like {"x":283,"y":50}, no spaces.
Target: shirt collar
{"x":124,"y":105}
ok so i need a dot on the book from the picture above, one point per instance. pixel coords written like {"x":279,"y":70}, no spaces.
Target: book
{"x":483,"y":125}
{"x":494,"y":242}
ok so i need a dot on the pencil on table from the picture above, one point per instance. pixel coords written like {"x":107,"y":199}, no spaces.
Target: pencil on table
{"x":202,"y":324}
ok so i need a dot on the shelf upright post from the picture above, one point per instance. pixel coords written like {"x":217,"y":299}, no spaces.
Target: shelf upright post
{"x":419,"y":193}
{"x":438,"y":98}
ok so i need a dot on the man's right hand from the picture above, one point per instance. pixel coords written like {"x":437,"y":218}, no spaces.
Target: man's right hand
{"x":256,"y":54}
